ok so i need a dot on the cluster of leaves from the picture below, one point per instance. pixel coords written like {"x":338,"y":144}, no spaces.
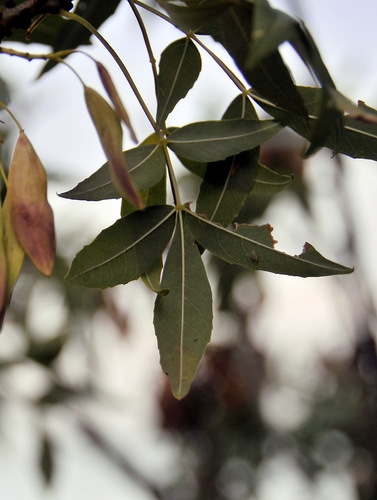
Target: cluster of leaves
{"x":154,"y":239}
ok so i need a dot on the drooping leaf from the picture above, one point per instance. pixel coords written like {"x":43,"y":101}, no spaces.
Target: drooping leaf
{"x":109,"y":131}
{"x":146,"y":164}
{"x":183,"y":317}
{"x":179,"y":69}
{"x":112,"y":92}
{"x":125,"y":250}
{"x":31,"y":216}
{"x":359,"y":136}
{"x":226,"y":183}
{"x":268,"y":182}
{"x":253,"y":247}
{"x":216,"y":140}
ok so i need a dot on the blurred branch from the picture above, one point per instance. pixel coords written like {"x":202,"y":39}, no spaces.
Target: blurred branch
{"x":116,"y":458}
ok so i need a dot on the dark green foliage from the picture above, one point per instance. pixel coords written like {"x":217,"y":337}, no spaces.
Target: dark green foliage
{"x":224,"y":154}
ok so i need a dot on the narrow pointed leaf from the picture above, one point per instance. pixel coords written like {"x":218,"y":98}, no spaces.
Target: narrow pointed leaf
{"x":183,"y":317}
{"x":253,"y":247}
{"x":268,"y":182}
{"x":179,"y":69}
{"x":109,"y":131}
{"x":216,"y":140}
{"x":125,"y":250}
{"x":112,"y":92}
{"x":146,"y":165}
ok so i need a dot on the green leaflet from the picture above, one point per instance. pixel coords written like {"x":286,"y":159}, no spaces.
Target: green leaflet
{"x":146,"y":164}
{"x":216,"y":140}
{"x":253,"y":247}
{"x":183,"y":317}
{"x":358,"y":139}
{"x":125,"y":250}
{"x":268,"y":182}
{"x":227,"y":183}
{"x":180,"y":66}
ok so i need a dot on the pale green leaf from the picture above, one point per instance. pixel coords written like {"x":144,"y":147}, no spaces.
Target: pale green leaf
{"x":179,"y":69}
{"x":216,"y":140}
{"x":183,"y":317}
{"x":125,"y":250}
{"x":253,"y":247}
{"x":146,"y":165}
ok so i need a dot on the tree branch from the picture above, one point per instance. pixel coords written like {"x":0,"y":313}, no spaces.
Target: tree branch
{"x":20,"y":16}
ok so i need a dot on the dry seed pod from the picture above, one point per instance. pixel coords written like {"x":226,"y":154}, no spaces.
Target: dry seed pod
{"x":31,"y":215}
{"x":13,"y":250}
{"x":112,"y":92}
{"x":109,"y":130}
{"x":3,"y":270}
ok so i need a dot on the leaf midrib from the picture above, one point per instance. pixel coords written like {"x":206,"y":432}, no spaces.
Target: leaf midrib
{"x":224,"y":138}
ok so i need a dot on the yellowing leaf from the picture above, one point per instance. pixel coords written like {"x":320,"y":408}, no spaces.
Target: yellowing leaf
{"x":109,"y":130}
{"x":31,"y":215}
